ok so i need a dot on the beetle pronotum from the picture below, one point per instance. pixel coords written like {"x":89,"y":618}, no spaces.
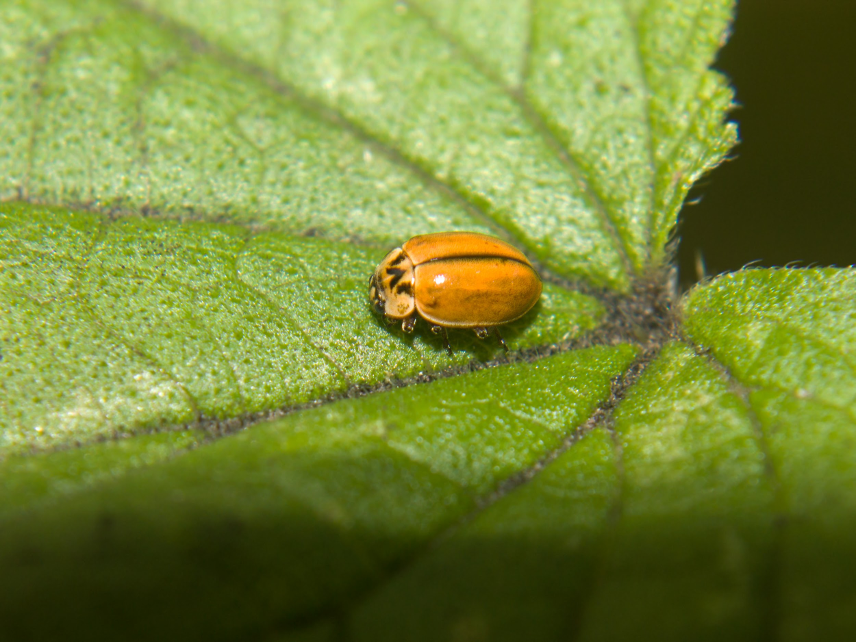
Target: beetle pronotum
{"x":455,"y":280}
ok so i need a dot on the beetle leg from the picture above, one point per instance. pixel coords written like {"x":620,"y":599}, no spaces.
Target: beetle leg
{"x":481,"y":332}
{"x":409,"y":324}
{"x":439,"y":329}
{"x":499,"y":337}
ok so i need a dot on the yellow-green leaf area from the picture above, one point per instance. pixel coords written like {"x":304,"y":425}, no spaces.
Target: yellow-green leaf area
{"x":115,"y":325}
{"x":668,"y":514}
{"x":303,"y":512}
{"x":105,"y":105}
{"x":788,"y":336}
{"x":574,"y":128}
{"x":790,"y":329}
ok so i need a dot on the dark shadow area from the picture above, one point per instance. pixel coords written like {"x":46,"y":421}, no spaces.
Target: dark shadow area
{"x":785,"y":196}
{"x":464,"y":340}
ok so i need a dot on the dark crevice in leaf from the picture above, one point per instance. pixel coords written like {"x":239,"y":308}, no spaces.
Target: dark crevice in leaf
{"x":531,"y":116}
{"x":770,"y":587}
{"x":601,"y":417}
{"x":634,"y":23}
{"x":616,"y":508}
{"x":642,"y":319}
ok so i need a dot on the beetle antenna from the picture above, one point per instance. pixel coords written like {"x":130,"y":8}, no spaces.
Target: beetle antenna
{"x":499,"y":337}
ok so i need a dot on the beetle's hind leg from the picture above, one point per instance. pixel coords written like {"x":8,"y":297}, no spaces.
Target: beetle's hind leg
{"x":499,"y":337}
{"x":438,"y":330}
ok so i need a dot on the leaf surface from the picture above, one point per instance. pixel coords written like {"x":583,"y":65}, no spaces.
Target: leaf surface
{"x":788,"y":337}
{"x":194,"y":194}
{"x":303,"y":512}
{"x":118,"y":326}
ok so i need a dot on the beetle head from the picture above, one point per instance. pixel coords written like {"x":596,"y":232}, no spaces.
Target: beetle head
{"x":391,"y":286}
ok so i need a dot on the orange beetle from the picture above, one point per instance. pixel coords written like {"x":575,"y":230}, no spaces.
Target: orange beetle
{"x":455,"y":280}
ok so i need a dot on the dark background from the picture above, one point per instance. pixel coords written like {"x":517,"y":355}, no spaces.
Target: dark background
{"x":788,"y":196}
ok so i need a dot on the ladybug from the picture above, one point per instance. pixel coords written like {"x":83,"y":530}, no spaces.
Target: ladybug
{"x":455,"y":280}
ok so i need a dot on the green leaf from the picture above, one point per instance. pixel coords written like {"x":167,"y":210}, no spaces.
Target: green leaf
{"x":641,"y":515}
{"x":118,"y":326}
{"x":719,"y":504}
{"x":788,"y":337}
{"x":302,"y":512}
{"x":578,"y":128}
{"x":204,"y":430}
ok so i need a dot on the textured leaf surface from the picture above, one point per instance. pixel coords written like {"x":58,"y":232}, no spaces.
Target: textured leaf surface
{"x":718,"y":505}
{"x":314,"y":508}
{"x":577,"y":127}
{"x":115,"y":326}
{"x":789,"y":337}
{"x":668,"y":515}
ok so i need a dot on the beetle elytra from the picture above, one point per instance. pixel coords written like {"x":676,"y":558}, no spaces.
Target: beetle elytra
{"x":455,"y":280}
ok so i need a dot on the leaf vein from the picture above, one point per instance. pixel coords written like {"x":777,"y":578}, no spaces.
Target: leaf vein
{"x":333,"y":116}
{"x":285,"y":314}
{"x":772,"y":596}
{"x":570,"y":161}
{"x":86,"y":305}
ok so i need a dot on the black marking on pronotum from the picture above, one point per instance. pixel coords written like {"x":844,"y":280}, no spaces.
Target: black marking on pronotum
{"x":398,"y":272}
{"x":405,"y":288}
{"x":398,"y":259}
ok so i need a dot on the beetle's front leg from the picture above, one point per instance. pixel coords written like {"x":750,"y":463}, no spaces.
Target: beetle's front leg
{"x":409,"y":324}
